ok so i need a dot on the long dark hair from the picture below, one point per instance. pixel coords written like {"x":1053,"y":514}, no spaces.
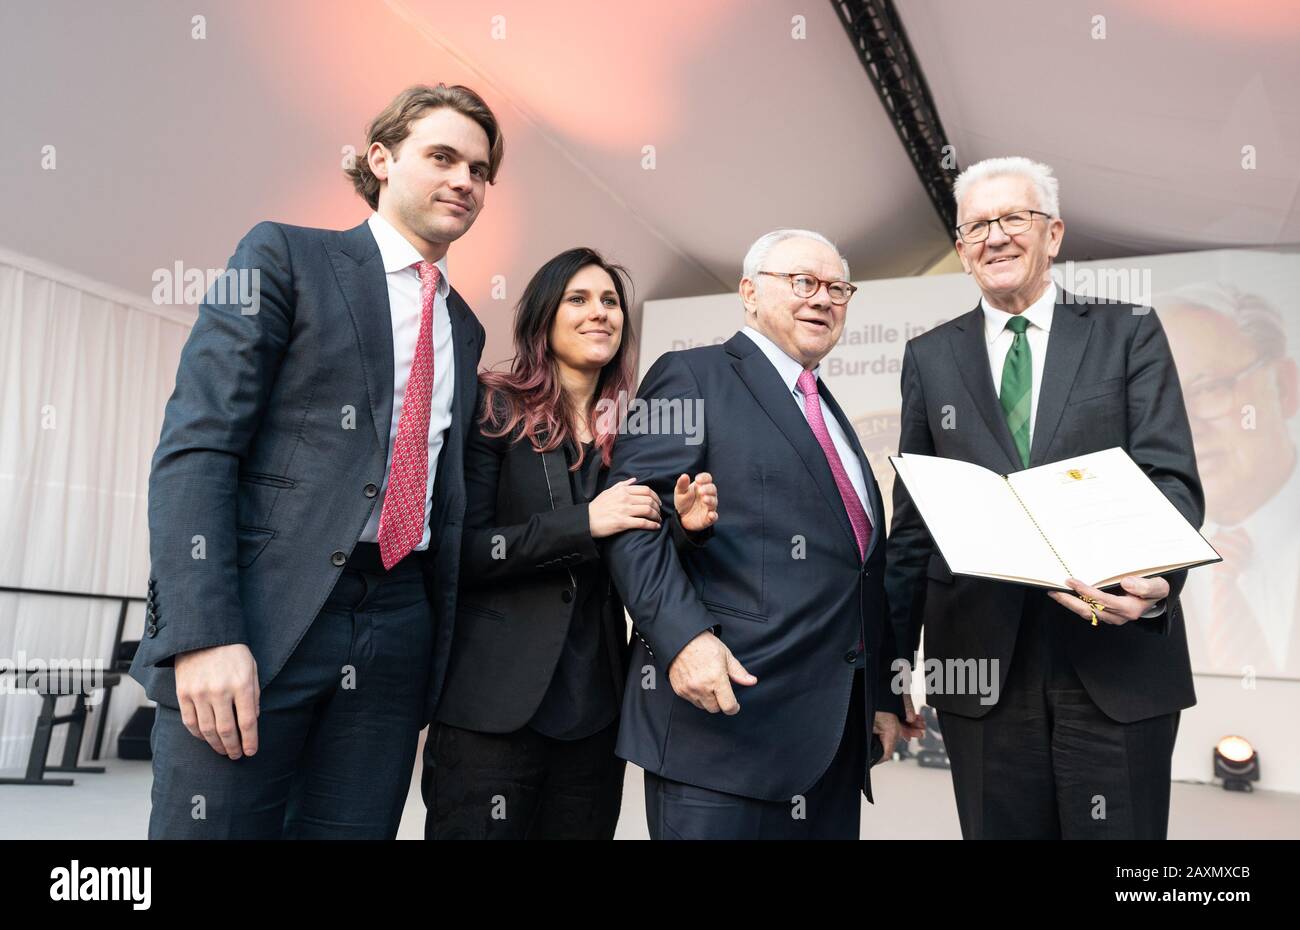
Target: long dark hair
{"x":529,"y":401}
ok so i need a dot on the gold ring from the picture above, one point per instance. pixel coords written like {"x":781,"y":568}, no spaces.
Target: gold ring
{"x":1095,"y":605}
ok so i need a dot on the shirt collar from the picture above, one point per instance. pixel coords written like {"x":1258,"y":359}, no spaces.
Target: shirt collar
{"x":1038,"y":313}
{"x":398,"y":254}
{"x":785,"y":366}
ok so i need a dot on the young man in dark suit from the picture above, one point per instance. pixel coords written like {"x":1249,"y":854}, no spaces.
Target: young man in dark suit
{"x":1077,"y":738}
{"x":306,"y":498}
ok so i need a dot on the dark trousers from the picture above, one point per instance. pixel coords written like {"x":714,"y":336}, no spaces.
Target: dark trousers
{"x":830,"y":810}
{"x":337,"y":730}
{"x":1046,"y":763}
{"x":520,"y":785}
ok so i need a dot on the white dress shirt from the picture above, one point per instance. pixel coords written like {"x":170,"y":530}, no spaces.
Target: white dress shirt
{"x":999,"y":339}
{"x":789,"y":370}
{"x":404,"y":312}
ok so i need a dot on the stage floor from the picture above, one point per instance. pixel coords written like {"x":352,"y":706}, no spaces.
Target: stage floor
{"x":912,"y":803}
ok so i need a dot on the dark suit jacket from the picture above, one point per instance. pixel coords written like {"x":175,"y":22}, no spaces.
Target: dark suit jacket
{"x":525,"y":540}
{"x":781,"y":577}
{"x":1108,"y":380}
{"x":273,"y":448}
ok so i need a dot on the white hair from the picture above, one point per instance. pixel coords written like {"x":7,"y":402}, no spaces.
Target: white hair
{"x":757,"y":254}
{"x":1045,"y":183}
{"x":1257,"y":320}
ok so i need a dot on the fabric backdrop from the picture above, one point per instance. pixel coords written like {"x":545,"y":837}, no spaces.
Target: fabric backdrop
{"x":85,"y":374}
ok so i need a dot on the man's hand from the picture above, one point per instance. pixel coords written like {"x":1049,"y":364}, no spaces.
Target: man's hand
{"x":886,"y":727}
{"x":220,"y":698}
{"x":696,"y":502}
{"x":703,"y":672}
{"x":1142,"y":593}
{"x":913,"y":724}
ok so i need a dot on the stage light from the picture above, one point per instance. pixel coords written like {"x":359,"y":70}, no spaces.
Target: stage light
{"x":1237,"y":763}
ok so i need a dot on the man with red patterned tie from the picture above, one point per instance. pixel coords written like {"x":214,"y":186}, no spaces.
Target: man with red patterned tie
{"x":787,"y":601}
{"x":309,"y":470}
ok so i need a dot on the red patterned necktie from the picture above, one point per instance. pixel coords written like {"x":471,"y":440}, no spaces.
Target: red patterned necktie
{"x":852,"y":503}
{"x":401,"y":522}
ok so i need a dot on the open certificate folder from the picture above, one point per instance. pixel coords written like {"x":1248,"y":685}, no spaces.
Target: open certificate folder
{"x":1097,"y":518}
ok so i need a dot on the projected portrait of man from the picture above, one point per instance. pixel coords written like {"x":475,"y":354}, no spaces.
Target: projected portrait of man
{"x":1239,"y":381}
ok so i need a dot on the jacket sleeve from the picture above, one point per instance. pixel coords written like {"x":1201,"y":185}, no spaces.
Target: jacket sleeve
{"x":889,"y":695}
{"x":910,"y":545}
{"x":493,"y":552}
{"x":645,"y":565}
{"x":227,"y":369}
{"x":683,"y":539}
{"x":1160,"y":438}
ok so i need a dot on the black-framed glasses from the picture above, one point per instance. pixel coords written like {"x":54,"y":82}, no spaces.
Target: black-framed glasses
{"x":1212,"y":398}
{"x":1010,"y":223}
{"x":806,"y":285}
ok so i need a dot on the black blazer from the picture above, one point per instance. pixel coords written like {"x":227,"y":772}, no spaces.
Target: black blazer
{"x":781,"y":578}
{"x":514,"y":610}
{"x":1108,"y":380}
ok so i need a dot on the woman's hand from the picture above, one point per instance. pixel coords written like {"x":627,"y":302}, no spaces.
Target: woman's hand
{"x":623,"y":506}
{"x":696,"y":502}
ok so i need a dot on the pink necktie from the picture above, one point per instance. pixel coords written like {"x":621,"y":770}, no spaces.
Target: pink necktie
{"x":401,"y":522}
{"x":852,"y":503}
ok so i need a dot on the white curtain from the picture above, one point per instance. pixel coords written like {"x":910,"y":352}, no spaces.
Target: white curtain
{"x":86,"y":373}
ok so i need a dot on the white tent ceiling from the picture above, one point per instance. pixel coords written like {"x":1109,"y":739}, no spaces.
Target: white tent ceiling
{"x":1145,"y":127}
{"x":169,"y":148}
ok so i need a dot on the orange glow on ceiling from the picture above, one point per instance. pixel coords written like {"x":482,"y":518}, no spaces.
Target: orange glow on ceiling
{"x":1278,"y":20}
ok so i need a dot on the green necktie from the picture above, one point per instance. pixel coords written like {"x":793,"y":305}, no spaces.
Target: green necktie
{"x":1017,"y":378}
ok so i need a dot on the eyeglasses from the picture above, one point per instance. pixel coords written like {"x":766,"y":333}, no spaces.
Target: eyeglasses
{"x":1215,"y":398}
{"x":1010,"y":224}
{"x":806,"y":285}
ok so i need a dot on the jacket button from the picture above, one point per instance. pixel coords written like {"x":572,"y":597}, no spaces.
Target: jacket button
{"x":566,"y":595}
{"x":339,"y":558}
{"x":851,"y":656}
{"x":371,"y":490}
{"x":151,"y":630}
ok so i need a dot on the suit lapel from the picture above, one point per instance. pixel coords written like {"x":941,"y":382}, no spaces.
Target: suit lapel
{"x":971,"y":356}
{"x":359,"y":269}
{"x":464,"y":342}
{"x":1065,"y":346}
{"x":877,"y":515}
{"x":557,"y":478}
{"x":765,"y":384}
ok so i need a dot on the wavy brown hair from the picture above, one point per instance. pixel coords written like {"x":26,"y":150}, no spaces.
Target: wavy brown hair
{"x":528,"y":401}
{"x":393,"y":125}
